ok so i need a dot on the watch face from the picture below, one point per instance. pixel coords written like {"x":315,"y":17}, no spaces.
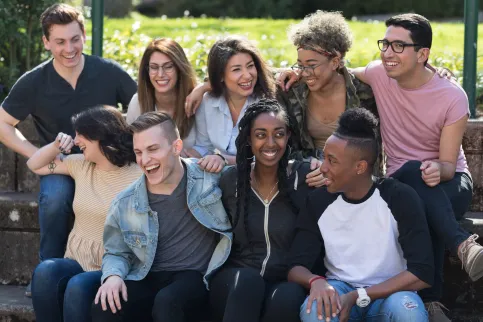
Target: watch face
{"x":363,"y":301}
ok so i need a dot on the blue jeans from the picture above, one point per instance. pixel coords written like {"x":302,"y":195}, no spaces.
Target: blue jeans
{"x":398,"y":307}
{"x":55,"y":214}
{"x":444,"y":204}
{"x":62,"y":291}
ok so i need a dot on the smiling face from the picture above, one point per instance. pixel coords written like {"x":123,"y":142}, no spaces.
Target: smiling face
{"x":163,"y":79}
{"x":340,"y":164}
{"x":268,"y":138}
{"x":155,"y":155}
{"x":66,"y":43}
{"x":240,"y":75}
{"x":324,"y":68}
{"x":90,"y":149}
{"x":401,"y":66}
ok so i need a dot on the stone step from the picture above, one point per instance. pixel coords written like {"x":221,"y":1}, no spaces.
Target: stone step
{"x":19,"y":233}
{"x":14,"y":306}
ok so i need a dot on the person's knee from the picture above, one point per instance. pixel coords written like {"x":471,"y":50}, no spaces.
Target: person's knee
{"x":248,"y":281}
{"x":166,"y":306}
{"x":288,"y":296}
{"x":410,"y":168}
{"x":283,"y":303}
{"x":77,"y":291}
{"x":45,"y":275}
{"x":404,"y":306}
{"x":312,"y":315}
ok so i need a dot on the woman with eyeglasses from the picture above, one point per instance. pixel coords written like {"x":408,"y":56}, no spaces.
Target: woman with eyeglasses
{"x":325,"y":88}
{"x":320,"y":88}
{"x":165,"y":79}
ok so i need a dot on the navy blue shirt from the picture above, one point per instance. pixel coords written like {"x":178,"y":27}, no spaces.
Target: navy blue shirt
{"x":52,"y":101}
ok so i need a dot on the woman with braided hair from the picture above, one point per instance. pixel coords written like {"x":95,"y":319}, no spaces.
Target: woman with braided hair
{"x":263,"y":207}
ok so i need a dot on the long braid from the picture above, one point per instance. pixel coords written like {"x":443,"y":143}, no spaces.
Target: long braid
{"x":244,"y":158}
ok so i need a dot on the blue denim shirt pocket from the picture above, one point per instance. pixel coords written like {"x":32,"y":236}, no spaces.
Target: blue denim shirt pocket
{"x":138,"y":242}
{"x":210,"y":201}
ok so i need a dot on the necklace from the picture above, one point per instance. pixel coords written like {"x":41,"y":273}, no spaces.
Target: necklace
{"x":267,"y":199}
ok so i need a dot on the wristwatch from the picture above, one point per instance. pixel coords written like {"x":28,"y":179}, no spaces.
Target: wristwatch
{"x":216,"y":152}
{"x":363,"y":300}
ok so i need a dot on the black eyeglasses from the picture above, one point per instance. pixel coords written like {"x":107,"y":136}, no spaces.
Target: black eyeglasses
{"x":396,"y":46}
{"x":299,"y":69}
{"x":154,"y":69}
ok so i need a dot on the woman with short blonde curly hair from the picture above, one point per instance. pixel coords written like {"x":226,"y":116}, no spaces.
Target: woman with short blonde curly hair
{"x":325,"y":88}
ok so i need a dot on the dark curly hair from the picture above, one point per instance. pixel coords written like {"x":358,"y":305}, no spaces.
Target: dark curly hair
{"x":358,"y":127}
{"x":107,"y":125}
{"x":244,"y":155}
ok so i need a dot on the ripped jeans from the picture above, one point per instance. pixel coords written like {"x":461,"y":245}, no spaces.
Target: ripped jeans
{"x":399,"y":307}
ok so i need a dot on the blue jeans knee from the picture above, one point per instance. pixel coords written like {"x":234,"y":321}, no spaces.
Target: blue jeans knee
{"x":79,"y":295}
{"x":403,"y":307}
{"x":312,"y":316}
{"x":55,"y":214}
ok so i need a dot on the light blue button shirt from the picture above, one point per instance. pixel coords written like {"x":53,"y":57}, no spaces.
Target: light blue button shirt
{"x":214,"y":125}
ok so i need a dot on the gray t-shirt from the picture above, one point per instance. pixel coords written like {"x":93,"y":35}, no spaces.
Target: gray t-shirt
{"x":183,"y":243}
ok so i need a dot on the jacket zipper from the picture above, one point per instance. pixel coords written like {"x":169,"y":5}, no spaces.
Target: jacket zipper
{"x":265,"y":229}
{"x":267,"y":239}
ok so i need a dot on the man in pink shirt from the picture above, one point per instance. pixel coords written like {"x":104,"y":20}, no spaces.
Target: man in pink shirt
{"x":423,"y":118}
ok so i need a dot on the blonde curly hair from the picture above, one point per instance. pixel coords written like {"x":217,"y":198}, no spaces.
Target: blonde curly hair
{"x":322,"y":30}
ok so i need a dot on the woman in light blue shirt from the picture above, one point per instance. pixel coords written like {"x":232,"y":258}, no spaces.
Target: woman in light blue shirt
{"x":238,"y":76}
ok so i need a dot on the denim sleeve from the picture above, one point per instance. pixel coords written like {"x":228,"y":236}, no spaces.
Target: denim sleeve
{"x":118,"y":256}
{"x":203,"y":143}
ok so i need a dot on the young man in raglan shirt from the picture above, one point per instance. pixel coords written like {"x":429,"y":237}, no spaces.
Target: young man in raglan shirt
{"x":423,"y":118}
{"x":373,"y":235}
{"x":51,"y":93}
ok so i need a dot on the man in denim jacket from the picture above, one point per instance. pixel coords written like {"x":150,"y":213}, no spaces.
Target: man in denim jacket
{"x":164,"y":235}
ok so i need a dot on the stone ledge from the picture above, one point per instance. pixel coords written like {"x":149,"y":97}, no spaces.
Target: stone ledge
{"x":14,"y":306}
{"x":18,"y":211}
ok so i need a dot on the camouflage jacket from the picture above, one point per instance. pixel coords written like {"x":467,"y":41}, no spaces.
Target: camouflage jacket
{"x":359,"y":94}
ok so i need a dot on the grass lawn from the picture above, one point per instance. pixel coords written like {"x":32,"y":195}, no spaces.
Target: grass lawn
{"x":125,"y":40}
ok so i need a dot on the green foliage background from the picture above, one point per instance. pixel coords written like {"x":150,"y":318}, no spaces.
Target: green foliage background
{"x":125,"y":40}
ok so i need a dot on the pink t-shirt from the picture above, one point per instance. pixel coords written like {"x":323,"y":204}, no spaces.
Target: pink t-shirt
{"x":412,"y":119}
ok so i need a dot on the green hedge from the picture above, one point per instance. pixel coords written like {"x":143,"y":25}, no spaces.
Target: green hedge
{"x":21,"y":47}
{"x":300,"y":8}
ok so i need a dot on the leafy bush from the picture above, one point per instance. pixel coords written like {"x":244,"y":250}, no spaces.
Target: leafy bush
{"x":299,"y":8}
{"x":21,"y":47}
{"x":125,"y":41}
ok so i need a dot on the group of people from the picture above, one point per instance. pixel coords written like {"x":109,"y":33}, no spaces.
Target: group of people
{"x":252,"y":196}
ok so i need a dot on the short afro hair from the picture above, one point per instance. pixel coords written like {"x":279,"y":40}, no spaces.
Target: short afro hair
{"x":322,"y":30}
{"x":358,"y":127}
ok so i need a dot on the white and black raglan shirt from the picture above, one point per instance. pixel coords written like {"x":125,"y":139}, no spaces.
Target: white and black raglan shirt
{"x":368,"y":241}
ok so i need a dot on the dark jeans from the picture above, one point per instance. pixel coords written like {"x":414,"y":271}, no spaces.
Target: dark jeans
{"x":161,"y":297}
{"x":242,"y":295}
{"x":55,"y":214}
{"x":62,"y":291}
{"x":444,"y":204}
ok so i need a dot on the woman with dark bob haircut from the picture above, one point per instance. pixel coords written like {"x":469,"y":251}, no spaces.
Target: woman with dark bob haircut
{"x":262,"y":196}
{"x":239,"y":77}
{"x":63,"y":289}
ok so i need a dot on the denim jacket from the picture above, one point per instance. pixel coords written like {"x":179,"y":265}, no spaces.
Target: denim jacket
{"x":131,"y":228}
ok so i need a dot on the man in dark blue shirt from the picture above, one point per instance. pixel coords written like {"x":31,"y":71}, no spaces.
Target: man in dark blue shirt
{"x":51,"y":93}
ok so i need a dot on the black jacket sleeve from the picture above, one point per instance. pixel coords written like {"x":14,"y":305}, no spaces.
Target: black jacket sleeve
{"x":307,"y":246}
{"x":407,"y":209}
